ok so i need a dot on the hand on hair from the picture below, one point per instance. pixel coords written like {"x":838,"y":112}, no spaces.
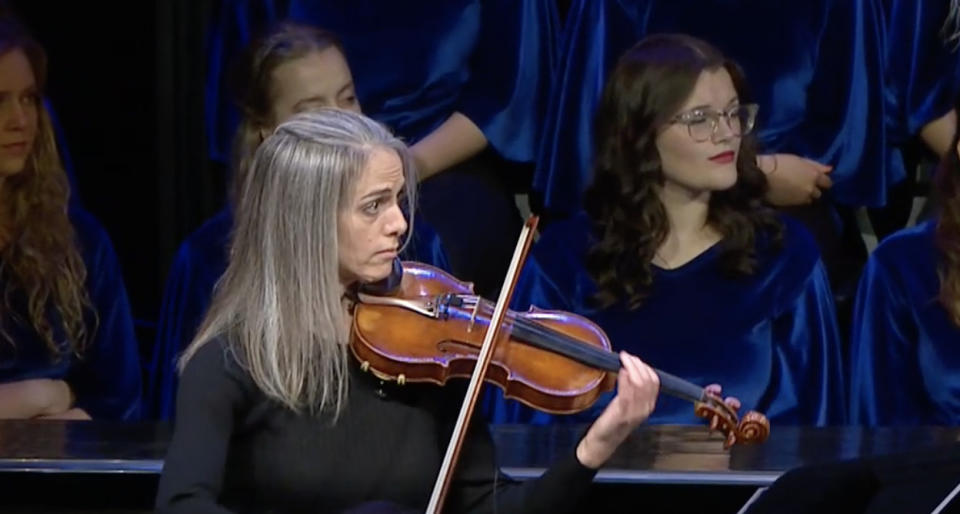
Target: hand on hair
{"x":794,"y":180}
{"x":637,"y":389}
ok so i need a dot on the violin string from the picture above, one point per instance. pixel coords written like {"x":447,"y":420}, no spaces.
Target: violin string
{"x":588,"y":354}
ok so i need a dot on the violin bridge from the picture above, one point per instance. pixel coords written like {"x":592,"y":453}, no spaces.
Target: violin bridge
{"x":473,"y":316}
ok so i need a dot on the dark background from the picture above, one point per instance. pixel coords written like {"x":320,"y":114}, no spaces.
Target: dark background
{"x":126,"y":82}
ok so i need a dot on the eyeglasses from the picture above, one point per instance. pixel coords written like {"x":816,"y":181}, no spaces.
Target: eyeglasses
{"x":702,"y":123}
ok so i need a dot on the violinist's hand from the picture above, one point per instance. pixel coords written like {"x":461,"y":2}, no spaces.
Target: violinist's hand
{"x":794,"y":180}
{"x":716,"y":390}
{"x":637,"y":389}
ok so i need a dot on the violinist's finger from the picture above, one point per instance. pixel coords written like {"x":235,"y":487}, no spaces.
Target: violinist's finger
{"x":714,"y":389}
{"x":733,"y":402}
{"x":643,"y":383}
{"x":646,"y":372}
{"x":630,"y":363}
{"x":635,"y":374}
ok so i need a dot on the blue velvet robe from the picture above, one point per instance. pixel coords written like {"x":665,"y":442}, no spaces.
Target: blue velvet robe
{"x":199,"y":263}
{"x":107,"y":378}
{"x":770,"y":339}
{"x":905,"y":350}
{"x":921,"y":77}
{"x":815,"y":67}
{"x":414,"y":63}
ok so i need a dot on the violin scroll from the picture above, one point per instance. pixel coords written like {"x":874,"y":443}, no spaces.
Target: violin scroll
{"x":754,"y":427}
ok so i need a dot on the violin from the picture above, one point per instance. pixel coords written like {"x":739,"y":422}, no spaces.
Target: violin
{"x":424,"y":325}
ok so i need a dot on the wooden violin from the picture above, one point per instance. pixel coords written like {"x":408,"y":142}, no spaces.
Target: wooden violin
{"x":423,"y":325}
{"x":429,"y":328}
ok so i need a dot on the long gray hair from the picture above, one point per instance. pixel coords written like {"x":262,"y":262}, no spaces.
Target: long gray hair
{"x":950,"y":32}
{"x":279,"y":306}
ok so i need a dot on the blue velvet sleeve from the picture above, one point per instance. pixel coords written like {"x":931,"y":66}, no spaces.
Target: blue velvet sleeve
{"x":107,"y":378}
{"x":510,"y":74}
{"x":596,"y":32}
{"x":186,"y":297}
{"x":807,"y":384}
{"x":921,"y":72}
{"x":235,"y":24}
{"x":843,"y":124}
{"x":885,"y":376}
{"x":198,"y":264}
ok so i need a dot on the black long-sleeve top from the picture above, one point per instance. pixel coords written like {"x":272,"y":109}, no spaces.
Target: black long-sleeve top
{"x":235,"y":450}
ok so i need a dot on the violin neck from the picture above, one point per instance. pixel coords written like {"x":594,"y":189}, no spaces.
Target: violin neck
{"x":548,"y":339}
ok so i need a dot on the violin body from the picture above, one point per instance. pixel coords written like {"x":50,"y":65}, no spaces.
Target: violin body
{"x":430,"y":327}
{"x":403,"y":345}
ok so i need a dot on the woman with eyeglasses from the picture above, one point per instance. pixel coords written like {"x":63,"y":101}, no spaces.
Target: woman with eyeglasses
{"x":678,"y":259}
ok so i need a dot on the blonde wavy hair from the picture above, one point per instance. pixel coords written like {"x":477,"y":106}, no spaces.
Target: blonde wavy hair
{"x":41,"y":259}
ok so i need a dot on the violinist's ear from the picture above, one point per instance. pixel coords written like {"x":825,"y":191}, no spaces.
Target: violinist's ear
{"x":388,"y":285}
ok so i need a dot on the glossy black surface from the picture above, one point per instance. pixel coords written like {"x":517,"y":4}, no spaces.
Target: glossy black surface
{"x":688,"y":455}
{"x":82,"y":447}
{"x":653,"y":455}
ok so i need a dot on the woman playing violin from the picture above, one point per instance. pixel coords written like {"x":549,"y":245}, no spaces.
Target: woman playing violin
{"x":274,"y":414}
{"x":677,"y":259}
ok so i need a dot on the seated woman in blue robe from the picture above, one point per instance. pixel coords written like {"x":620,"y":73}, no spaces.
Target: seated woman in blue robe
{"x":905,"y":349}
{"x":920,"y":85}
{"x":292,"y":69}
{"x":464,"y":82}
{"x":921,"y":76}
{"x":677,"y":259}
{"x":67,"y":345}
{"x":815,"y":67}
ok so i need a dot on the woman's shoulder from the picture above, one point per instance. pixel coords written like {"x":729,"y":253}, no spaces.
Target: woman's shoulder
{"x":95,"y":245}
{"x":908,"y":245}
{"x":216,"y":360}
{"x":210,"y":239}
{"x":90,"y":232}
{"x":797,"y":251}
{"x":214,"y":354}
{"x":789,"y":269}
{"x":908,"y":256}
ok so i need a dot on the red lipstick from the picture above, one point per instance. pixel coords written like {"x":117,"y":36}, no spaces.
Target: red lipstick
{"x":723,"y":157}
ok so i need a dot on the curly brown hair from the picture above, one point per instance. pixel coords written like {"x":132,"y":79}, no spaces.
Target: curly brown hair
{"x":947,"y":236}
{"x":649,"y":85}
{"x":41,"y":261}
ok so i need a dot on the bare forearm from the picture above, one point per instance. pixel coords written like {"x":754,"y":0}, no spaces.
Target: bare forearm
{"x":453,"y":142}
{"x":939,"y":133}
{"x":32,"y":398}
{"x":74,"y":414}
